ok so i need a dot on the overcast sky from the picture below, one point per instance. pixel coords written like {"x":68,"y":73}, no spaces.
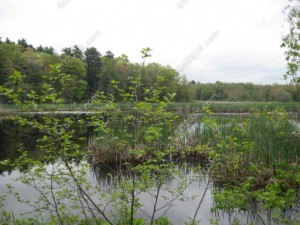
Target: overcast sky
{"x":206,"y":40}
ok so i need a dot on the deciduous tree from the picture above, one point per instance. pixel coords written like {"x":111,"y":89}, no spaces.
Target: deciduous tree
{"x":291,"y":42}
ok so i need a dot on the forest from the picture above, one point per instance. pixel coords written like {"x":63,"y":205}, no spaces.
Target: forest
{"x":92,"y":71}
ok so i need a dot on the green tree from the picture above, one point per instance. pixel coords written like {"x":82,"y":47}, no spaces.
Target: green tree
{"x":108,"y":73}
{"x":74,"y":66}
{"x":23,"y":44}
{"x":279,"y":94}
{"x":33,"y":67}
{"x":77,"y":53}
{"x":49,"y":59}
{"x":109,"y":54}
{"x":207,"y":90}
{"x":171,"y":77}
{"x":291,"y":42}
{"x":93,"y":62}
{"x":10,"y":57}
{"x":67,"y":51}
{"x":145,"y":53}
{"x":185,"y":91}
{"x":8,"y":41}
{"x":48,"y":50}
{"x":77,"y":89}
{"x":73,"y":52}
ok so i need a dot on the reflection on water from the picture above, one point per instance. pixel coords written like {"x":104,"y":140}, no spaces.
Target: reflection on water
{"x":197,"y":195}
{"x":198,"y":199}
{"x":199,"y":192}
{"x":11,"y":136}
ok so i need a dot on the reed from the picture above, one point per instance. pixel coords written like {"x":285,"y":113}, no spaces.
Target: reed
{"x":236,"y":107}
{"x":114,"y":143}
{"x":273,"y":136}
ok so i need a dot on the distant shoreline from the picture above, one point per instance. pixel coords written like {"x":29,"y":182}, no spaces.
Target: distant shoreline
{"x":185,"y":107}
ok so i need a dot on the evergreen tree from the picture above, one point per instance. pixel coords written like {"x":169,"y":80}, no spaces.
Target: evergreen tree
{"x":93,"y":62}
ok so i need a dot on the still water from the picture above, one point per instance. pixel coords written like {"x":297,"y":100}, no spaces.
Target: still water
{"x":198,"y":194}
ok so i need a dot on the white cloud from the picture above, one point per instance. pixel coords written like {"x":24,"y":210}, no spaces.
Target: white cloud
{"x":249,"y":38}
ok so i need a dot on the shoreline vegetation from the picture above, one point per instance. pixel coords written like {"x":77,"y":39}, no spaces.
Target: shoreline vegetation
{"x":180,"y":107}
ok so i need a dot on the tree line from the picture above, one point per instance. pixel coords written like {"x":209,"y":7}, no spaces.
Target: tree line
{"x":245,"y":92}
{"x":90,"y":71}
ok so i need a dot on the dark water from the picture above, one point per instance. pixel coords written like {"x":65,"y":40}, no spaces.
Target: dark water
{"x":199,"y":191}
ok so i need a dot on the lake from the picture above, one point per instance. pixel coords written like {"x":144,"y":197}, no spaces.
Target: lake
{"x":198,"y":193}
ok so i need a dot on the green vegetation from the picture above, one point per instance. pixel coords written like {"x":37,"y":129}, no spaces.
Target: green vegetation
{"x":235,"y":107}
{"x":245,"y":92}
{"x":255,"y":158}
{"x":253,"y":161}
{"x":266,"y":137}
{"x":139,"y":147}
{"x":290,"y":42}
{"x":90,"y":71}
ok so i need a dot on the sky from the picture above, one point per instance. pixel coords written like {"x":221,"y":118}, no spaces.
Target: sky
{"x":205,"y":40}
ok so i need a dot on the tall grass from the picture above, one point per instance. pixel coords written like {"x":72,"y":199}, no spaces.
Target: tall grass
{"x":236,"y":107}
{"x":121,"y":134}
{"x":273,"y":137}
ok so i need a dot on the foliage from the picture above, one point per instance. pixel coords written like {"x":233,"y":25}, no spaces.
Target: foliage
{"x":91,"y":72}
{"x":291,"y":42}
{"x":252,"y":173}
{"x":93,"y":62}
{"x":59,"y":174}
{"x":245,"y":92}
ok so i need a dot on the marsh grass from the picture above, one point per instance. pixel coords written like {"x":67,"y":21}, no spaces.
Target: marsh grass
{"x":115,"y":143}
{"x":260,"y":145}
{"x":236,"y":107}
{"x":272,"y":135}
